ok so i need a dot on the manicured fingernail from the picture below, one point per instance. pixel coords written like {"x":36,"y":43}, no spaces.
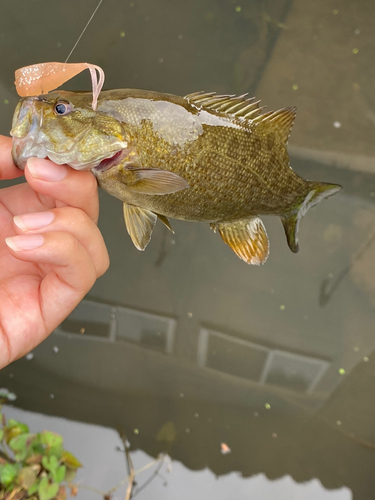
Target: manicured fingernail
{"x":45,"y":170}
{"x":18,"y":243}
{"x":36,"y":220}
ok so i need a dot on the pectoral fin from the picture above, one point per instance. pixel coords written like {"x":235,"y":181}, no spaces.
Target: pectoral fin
{"x":139,"y":224}
{"x":153,"y":181}
{"x":247,"y":238}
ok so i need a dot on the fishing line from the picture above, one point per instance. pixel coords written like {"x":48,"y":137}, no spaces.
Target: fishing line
{"x":84,"y":29}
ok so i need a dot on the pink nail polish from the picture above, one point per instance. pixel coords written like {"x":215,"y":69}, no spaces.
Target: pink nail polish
{"x":35,"y":220}
{"x":19,"y":243}
{"x":45,"y":170}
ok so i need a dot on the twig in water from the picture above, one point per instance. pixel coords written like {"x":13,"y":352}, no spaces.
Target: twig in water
{"x":151,"y":478}
{"x":129,"y":461}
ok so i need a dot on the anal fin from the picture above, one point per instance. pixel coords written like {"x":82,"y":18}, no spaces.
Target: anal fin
{"x":139,"y":224}
{"x":247,"y":238}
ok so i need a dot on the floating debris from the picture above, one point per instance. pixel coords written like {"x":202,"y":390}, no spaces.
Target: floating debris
{"x":356,"y":349}
{"x":52,"y":396}
{"x":29,"y":356}
{"x":267,"y":406}
{"x":295,"y":87}
{"x":355,"y":51}
{"x":366,"y":359}
{"x":190,"y":315}
{"x":337,"y":124}
{"x":181,"y":395}
{"x":224,"y":449}
{"x":335,"y":12}
{"x":238,"y":8}
{"x":274,"y":435}
{"x":180,"y":37}
{"x":357,"y":31}
{"x":82,"y":330}
{"x":338,"y":422}
{"x":136,"y":431}
{"x":5,"y":101}
{"x":341,"y":371}
{"x":122,"y":34}
{"x":55,"y":349}
{"x":282,"y":308}
{"x":59,"y":44}
{"x":196,"y":415}
{"x":187,"y":430}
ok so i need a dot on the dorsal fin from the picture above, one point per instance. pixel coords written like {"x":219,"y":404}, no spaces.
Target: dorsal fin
{"x":282,"y":120}
{"x":239,"y":106}
{"x":245,"y":107}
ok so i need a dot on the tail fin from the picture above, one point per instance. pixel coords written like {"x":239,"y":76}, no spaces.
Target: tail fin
{"x":291,"y":221}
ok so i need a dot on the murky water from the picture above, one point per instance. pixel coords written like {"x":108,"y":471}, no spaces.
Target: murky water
{"x":183,"y":347}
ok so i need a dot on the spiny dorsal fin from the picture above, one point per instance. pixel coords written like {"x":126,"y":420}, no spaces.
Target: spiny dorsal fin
{"x":247,"y":238}
{"x":282,"y":120}
{"x":239,"y":106}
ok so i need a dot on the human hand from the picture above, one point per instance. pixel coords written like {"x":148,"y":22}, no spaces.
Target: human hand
{"x":53,"y":251}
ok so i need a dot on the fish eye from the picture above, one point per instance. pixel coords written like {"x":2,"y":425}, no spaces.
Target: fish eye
{"x":62,"y":108}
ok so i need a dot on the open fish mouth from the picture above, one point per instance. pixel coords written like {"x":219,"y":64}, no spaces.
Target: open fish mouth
{"x":111,"y":161}
{"x":21,"y":154}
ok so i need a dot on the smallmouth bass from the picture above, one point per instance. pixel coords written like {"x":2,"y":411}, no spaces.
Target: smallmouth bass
{"x":203,"y":158}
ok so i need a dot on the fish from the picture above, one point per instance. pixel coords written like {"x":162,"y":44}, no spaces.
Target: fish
{"x":216,"y":159}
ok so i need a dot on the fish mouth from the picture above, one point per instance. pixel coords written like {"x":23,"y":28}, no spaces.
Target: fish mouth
{"x":111,"y":161}
{"x":20,"y":158}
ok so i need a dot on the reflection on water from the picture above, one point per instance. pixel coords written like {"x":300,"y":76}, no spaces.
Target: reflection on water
{"x":184,"y":343}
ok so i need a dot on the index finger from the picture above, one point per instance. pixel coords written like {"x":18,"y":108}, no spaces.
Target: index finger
{"x":8,"y":170}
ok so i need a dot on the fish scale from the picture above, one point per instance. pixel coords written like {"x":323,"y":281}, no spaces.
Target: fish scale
{"x":204,"y":158}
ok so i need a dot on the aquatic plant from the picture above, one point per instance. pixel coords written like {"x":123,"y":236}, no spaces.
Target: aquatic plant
{"x":33,"y":466}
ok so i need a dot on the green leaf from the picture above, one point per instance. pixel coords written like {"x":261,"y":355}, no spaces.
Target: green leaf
{"x":54,"y":443}
{"x":14,"y":423}
{"x":34,"y":488}
{"x":59,"y":475}
{"x":14,"y":430}
{"x":8,"y":474}
{"x":20,"y":455}
{"x":70,"y":460}
{"x":51,"y":439}
{"x":46,"y":490}
{"x":21,"y":441}
{"x":50,"y":463}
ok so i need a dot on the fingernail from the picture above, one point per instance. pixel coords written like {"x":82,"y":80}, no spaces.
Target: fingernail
{"x":18,"y":243}
{"x":45,"y":170}
{"x":36,"y":220}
